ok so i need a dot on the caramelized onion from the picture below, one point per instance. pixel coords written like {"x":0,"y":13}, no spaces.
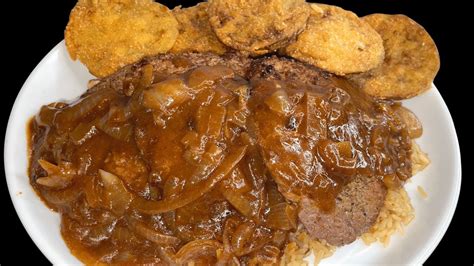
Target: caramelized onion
{"x":267,"y":255}
{"x":282,"y":216}
{"x":229,"y":227}
{"x":413,"y":124}
{"x":316,"y":120}
{"x":83,"y":132}
{"x":45,"y":117}
{"x":117,"y":196}
{"x":59,"y":176}
{"x":197,"y":249}
{"x":337,"y":157}
{"x":210,"y":119}
{"x":152,"y":235}
{"x":120,"y":132}
{"x":279,"y":102}
{"x":95,"y":102}
{"x":226,"y":259}
{"x":208,"y":75}
{"x":93,"y":192}
{"x":191,"y":194}
{"x":242,"y":237}
{"x":114,"y":123}
{"x":239,"y":201}
{"x":166,"y":94}
{"x":273,"y":195}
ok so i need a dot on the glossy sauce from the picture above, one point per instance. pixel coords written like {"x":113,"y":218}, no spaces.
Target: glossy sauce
{"x":205,"y":166}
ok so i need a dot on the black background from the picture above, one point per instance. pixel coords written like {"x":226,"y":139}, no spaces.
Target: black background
{"x":31,"y":28}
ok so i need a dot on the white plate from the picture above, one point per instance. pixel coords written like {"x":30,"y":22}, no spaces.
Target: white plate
{"x":58,"y":78}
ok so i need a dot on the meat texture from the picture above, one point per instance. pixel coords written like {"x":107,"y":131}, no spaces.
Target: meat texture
{"x":357,"y":208}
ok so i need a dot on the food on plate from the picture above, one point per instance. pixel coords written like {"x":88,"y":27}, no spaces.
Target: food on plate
{"x":257,"y":27}
{"x":194,"y":147}
{"x":411,"y":59}
{"x":356,"y":209}
{"x":396,"y":213}
{"x":107,"y":35}
{"x":419,"y":159}
{"x":195,"y":32}
{"x":338,"y":41}
{"x":196,"y":157}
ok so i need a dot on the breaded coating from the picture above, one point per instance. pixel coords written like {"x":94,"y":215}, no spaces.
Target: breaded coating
{"x":106,"y":35}
{"x":411,"y":59}
{"x":336,"y":40}
{"x":257,"y":27}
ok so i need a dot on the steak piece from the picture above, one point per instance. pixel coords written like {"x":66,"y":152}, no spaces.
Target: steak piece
{"x":359,"y":203}
{"x":287,"y":69}
{"x":165,"y":65}
{"x":357,"y":208}
{"x":180,"y":63}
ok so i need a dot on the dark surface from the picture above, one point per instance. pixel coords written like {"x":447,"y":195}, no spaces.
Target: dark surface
{"x":32,"y":28}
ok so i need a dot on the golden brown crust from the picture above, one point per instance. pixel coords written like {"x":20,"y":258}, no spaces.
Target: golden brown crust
{"x":336,"y":40}
{"x":257,"y":27}
{"x":108,"y":34}
{"x":411,"y":59}
{"x":195,"y":32}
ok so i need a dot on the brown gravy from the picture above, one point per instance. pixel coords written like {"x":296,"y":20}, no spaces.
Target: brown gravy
{"x":205,"y":166}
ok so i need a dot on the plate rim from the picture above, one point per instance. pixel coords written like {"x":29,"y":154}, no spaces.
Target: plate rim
{"x":52,"y":257}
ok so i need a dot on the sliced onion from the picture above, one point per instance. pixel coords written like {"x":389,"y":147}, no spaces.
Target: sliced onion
{"x":279,"y":102}
{"x":83,"y":132}
{"x":239,"y":202}
{"x":121,"y":132}
{"x":210,"y":119}
{"x":93,"y":192}
{"x":91,"y":103}
{"x":152,"y":235}
{"x":166,"y":94}
{"x":268,"y":255}
{"x":273,"y":195}
{"x":282,"y":216}
{"x":48,"y":167}
{"x":229,"y":228}
{"x":167,"y":255}
{"x":117,"y":196}
{"x":225,"y":258}
{"x":191,"y":194}
{"x":337,"y":157}
{"x":208,"y":75}
{"x":242,"y":238}
{"x":58,"y":177}
{"x":45,"y":117}
{"x":413,"y":124}
{"x":316,"y":116}
{"x":114,"y":123}
{"x":197,"y":249}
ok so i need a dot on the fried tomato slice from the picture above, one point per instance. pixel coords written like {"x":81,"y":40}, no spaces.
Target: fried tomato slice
{"x":257,"y":27}
{"x":106,"y":35}
{"x":336,"y":40}
{"x":195,"y":32}
{"x":411,"y":59}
